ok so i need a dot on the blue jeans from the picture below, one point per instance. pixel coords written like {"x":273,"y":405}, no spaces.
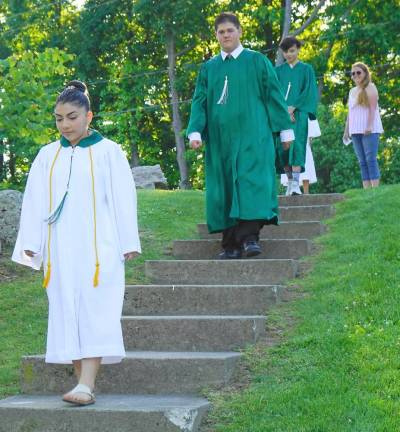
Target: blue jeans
{"x":366,"y":148}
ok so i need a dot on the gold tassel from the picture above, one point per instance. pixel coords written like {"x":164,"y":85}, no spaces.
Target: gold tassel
{"x":96,"y":275}
{"x":48,"y":272}
{"x":47,"y":277}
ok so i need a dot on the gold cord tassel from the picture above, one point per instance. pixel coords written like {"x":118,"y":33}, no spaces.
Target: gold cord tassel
{"x":48,"y":272}
{"x":47,"y":277}
{"x":96,"y":273}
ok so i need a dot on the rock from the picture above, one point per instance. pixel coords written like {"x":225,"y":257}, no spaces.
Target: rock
{"x":149,"y":177}
{"x":10,"y":209}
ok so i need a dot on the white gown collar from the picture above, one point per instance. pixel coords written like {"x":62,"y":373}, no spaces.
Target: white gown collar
{"x":235,"y":53}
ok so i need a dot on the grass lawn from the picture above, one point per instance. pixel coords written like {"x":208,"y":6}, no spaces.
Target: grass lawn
{"x":338,"y":368}
{"x":163,"y":217}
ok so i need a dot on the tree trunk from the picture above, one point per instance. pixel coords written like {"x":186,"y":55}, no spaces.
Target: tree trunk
{"x":176,"y":118}
{"x":287,"y":20}
{"x":327,"y":55}
{"x":2,"y":170}
{"x":268,"y":35}
{"x":134,"y":156}
{"x":134,"y":159}
{"x":12,"y":167}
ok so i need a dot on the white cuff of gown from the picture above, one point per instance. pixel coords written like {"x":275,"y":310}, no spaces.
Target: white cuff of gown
{"x":287,"y":135}
{"x":194,"y":136}
{"x":19,"y":256}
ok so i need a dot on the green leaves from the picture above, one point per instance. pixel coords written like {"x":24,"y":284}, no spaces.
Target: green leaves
{"x":118,"y":48}
{"x":29,"y":84}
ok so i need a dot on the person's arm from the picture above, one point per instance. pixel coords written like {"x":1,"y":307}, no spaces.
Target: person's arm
{"x":346,"y":135}
{"x":123,"y":202}
{"x":372,"y":94}
{"x":307,"y":100}
{"x":28,"y":248}
{"x":198,"y":114}
{"x":195,"y":140}
{"x":274,"y":101}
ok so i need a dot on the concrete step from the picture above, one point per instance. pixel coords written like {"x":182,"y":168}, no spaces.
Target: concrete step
{"x":286,"y":230}
{"x":312,"y":199}
{"x":306,"y":213}
{"x":192,"y":332}
{"x":221,"y":272}
{"x":141,"y":372}
{"x":118,"y":413}
{"x":272,"y":249}
{"x":201,"y":299}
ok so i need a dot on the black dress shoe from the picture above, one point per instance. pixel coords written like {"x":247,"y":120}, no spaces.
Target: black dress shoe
{"x":230,"y":254}
{"x":251,"y":248}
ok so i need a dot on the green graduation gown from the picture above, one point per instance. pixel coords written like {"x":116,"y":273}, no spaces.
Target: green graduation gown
{"x":303,"y":95}
{"x":240,"y":151}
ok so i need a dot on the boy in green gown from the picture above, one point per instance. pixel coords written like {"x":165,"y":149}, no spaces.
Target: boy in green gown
{"x":300,"y":89}
{"x":237,"y":106}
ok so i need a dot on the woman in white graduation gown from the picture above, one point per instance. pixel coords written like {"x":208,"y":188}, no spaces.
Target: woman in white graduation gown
{"x":79,"y":220}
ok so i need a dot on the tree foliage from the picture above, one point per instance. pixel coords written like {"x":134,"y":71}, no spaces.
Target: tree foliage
{"x":31,"y":79}
{"x":120,"y":48}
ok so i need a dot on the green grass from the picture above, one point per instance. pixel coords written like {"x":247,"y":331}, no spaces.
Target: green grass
{"x":163,"y":217}
{"x":338,"y":367}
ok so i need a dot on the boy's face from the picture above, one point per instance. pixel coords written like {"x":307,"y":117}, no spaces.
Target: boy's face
{"x":228,"y":36}
{"x":291,"y":54}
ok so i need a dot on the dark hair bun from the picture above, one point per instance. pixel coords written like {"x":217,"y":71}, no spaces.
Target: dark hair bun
{"x":76,"y":93}
{"x":79,"y":85}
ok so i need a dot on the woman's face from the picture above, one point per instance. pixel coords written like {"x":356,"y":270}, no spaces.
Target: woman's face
{"x":357,"y":75}
{"x":72,"y":121}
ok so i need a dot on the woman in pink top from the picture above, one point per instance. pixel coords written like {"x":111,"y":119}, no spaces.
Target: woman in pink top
{"x":364,"y":124}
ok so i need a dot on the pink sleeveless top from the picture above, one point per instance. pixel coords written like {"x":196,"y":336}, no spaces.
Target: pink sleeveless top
{"x":358,"y":116}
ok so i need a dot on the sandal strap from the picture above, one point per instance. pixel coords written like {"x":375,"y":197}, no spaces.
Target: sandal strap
{"x":82,"y":388}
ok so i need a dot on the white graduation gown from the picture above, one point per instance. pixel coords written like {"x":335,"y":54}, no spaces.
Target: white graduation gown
{"x":309,"y":168}
{"x":84,"y":321}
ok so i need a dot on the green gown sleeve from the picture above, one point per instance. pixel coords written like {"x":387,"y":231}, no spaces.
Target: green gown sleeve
{"x":307,"y":100}
{"x":198,"y":114}
{"x":274,"y":100}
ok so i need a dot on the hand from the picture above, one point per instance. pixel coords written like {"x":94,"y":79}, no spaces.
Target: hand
{"x":286,"y":145}
{"x":195,"y":144}
{"x":292,"y":118}
{"x":29,"y":253}
{"x":346,"y":136}
{"x":131,"y":255}
{"x":368,"y":131}
{"x":291,"y":109}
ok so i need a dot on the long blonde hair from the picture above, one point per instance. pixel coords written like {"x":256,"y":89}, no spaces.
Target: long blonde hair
{"x":362,"y":95}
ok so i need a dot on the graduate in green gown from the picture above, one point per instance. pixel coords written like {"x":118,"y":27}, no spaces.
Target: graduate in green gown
{"x":300,"y":89}
{"x":237,"y":106}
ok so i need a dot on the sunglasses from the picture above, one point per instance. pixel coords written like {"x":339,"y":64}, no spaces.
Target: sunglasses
{"x":356,"y":73}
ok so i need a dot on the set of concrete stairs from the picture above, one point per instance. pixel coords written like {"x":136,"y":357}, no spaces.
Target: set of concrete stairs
{"x":182,"y":334}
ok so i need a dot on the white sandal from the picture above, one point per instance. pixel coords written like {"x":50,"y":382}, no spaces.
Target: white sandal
{"x":80,"y":388}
